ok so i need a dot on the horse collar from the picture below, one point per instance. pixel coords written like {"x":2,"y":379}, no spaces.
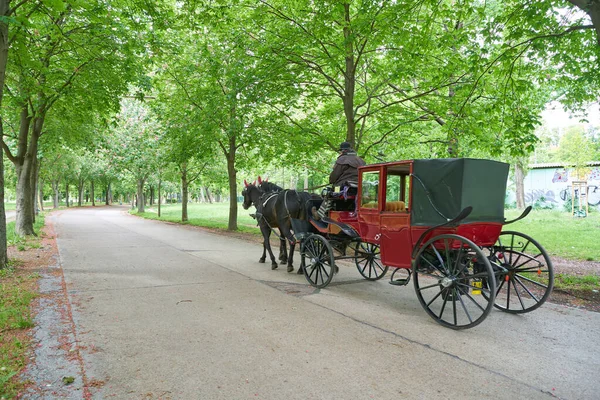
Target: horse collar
{"x":269,"y":198}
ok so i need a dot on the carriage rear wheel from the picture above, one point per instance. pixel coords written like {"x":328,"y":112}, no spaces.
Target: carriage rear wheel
{"x":367,"y":257}
{"x":317,"y":260}
{"x":524,"y":273}
{"x":454,"y":281}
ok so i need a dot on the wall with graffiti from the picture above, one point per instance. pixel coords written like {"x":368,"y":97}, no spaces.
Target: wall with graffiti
{"x":551,"y":187}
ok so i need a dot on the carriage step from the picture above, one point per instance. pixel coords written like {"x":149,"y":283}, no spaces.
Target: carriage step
{"x":400,"y":281}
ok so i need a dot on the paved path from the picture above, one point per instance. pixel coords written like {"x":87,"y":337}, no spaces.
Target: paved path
{"x":172,"y":312}
{"x":10,"y":215}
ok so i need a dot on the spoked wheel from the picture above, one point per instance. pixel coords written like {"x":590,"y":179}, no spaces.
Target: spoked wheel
{"x":454,"y":281}
{"x":367,"y":257}
{"x":317,"y":260}
{"x":524,"y":273}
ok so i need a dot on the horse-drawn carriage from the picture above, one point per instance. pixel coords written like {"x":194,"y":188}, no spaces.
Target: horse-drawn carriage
{"x":440,"y":223}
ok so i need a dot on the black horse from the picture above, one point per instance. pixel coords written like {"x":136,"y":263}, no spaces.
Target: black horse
{"x":252,"y":194}
{"x":275,"y":209}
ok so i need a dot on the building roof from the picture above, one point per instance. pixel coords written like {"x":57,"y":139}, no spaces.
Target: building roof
{"x":561,"y":165}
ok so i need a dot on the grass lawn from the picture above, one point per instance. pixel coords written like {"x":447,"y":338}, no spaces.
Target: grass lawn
{"x":18,"y":287}
{"x":560,"y":233}
{"x":213,"y":215}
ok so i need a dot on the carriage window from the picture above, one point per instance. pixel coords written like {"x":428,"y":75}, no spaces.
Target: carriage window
{"x":397,"y":191}
{"x":370,"y":186}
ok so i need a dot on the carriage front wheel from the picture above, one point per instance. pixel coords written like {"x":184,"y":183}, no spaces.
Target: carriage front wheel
{"x":367,"y":257}
{"x":316,"y":260}
{"x":454,"y":281}
{"x":524,"y":272}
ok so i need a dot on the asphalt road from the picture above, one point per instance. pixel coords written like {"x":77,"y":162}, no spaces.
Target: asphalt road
{"x":173,"y":312}
{"x":10,"y":215}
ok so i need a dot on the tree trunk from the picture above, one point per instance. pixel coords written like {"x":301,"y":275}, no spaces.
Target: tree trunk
{"x":231,"y":172}
{"x":80,"y":185}
{"x":23,"y":169}
{"x":3,"y":59}
{"x":106,"y":198}
{"x":184,"y":194}
{"x":3,"y":244}
{"x":34,"y":186}
{"x":67,"y":194}
{"x":24,"y":216}
{"x":93,"y":196}
{"x":159,"y":198}
{"x":208,"y":195}
{"x":41,"y":195}
{"x":520,"y":185}
{"x":151,"y":196}
{"x":140,"y":195}
{"x":55,"y":198}
{"x":349,"y":81}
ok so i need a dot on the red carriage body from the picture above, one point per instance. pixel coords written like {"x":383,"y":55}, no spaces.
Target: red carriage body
{"x":440,"y":221}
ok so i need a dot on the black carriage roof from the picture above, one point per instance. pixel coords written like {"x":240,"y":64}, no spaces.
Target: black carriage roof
{"x":441,"y":188}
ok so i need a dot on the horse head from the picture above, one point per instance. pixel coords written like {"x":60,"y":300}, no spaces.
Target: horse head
{"x":267,"y":186}
{"x":251,"y":193}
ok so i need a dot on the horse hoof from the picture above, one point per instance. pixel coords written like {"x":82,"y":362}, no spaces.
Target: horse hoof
{"x":262,"y":261}
{"x":274,"y":266}
{"x":290,"y":268}
{"x":283,"y":262}
{"x":336,"y":270}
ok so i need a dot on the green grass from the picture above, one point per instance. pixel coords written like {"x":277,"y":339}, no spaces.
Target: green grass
{"x":24,"y":243}
{"x":17,"y":290}
{"x":560,"y":233}
{"x":588,"y":282}
{"x":16,"y":293}
{"x":214,"y":215}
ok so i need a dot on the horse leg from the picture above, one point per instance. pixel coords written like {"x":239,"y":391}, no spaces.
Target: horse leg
{"x":264,"y":254}
{"x":283,"y":255}
{"x":286,"y":232}
{"x":266,"y":231}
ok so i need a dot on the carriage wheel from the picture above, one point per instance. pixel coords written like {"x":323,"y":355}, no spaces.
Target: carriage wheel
{"x":367,"y":257}
{"x":317,"y":260}
{"x":526,"y":276}
{"x":449,"y":273}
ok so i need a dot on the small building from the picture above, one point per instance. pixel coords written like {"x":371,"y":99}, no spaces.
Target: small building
{"x":550,"y":184}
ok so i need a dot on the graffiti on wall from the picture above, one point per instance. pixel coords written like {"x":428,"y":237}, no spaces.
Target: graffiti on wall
{"x":540,"y":195}
{"x":561,"y":175}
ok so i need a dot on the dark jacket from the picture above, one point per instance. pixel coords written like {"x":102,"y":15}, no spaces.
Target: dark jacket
{"x":346,"y":169}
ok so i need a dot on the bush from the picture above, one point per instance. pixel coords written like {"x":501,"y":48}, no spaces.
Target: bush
{"x":542,"y":204}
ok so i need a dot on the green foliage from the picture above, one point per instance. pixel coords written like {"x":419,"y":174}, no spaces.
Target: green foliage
{"x":133,"y":143}
{"x":576,"y":149}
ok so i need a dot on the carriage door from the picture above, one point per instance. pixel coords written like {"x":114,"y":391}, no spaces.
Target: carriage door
{"x":369,"y":204}
{"x":396,"y":243}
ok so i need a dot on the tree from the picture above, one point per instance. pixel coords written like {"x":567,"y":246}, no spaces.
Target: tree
{"x":134,"y":143}
{"x":576,"y":149}
{"x":73,"y":51}
{"x":220,"y":86}
{"x":183,"y":144}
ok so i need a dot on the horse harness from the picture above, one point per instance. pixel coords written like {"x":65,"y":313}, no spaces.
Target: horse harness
{"x":260,"y":216}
